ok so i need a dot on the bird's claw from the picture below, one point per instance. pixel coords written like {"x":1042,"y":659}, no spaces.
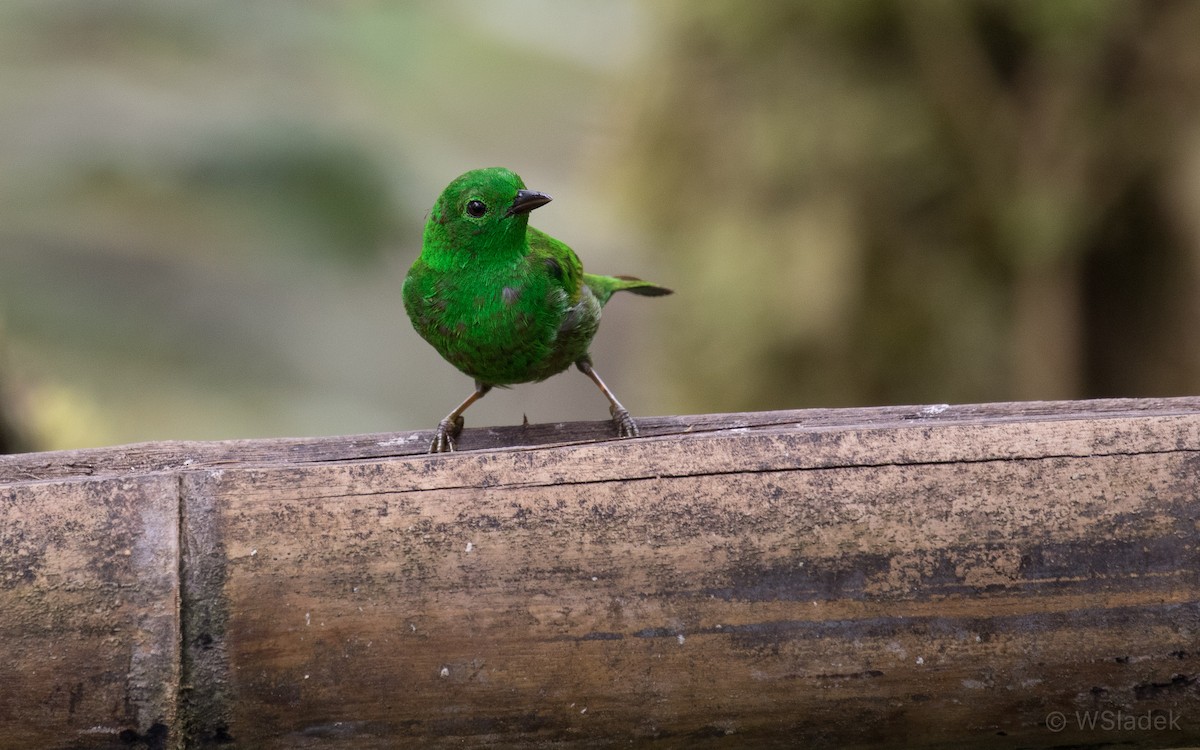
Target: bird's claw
{"x":444,"y":437}
{"x":626,"y":427}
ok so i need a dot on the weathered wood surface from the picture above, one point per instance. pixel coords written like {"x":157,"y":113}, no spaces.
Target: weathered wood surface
{"x":89,"y":626}
{"x":894,"y":577}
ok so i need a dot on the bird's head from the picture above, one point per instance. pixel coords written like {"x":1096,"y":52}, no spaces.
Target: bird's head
{"x":482,"y":211}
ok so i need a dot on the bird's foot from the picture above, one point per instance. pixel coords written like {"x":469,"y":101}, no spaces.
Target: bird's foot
{"x":626,"y":427}
{"x":447,"y":432}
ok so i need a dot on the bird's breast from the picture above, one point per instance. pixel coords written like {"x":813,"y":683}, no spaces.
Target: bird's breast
{"x":500,"y":333}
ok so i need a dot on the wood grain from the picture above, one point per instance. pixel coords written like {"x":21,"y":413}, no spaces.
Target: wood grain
{"x":896,"y":577}
{"x":182,"y":456}
{"x":89,"y":600}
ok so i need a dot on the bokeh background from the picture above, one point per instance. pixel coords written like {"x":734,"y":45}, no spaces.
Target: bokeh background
{"x":207,"y":209}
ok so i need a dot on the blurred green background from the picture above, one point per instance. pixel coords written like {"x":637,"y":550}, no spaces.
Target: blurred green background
{"x":207,"y":209}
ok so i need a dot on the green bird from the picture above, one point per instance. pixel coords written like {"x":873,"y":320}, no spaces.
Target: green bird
{"x":504,"y":302}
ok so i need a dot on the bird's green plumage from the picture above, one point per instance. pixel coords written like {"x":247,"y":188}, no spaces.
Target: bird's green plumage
{"x":502,"y":301}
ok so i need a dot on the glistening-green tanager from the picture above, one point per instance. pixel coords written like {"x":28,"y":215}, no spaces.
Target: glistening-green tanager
{"x":500,"y":300}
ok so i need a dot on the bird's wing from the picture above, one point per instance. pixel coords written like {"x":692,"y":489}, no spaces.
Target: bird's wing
{"x":559,"y":262}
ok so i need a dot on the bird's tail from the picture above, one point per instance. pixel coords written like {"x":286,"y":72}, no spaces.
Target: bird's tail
{"x":604,"y":286}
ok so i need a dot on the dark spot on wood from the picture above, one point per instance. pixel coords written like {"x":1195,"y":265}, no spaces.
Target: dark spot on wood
{"x":864,"y":675}
{"x":155,"y":737}
{"x":1180,"y":683}
{"x":74,"y":697}
{"x":22,"y":561}
{"x":807,"y":580}
{"x":656,"y":633}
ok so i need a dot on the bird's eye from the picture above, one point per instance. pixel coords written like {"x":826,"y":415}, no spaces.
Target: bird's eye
{"x":476,"y":208}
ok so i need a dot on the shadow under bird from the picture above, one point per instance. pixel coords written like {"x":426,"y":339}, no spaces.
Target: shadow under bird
{"x":503,"y":302}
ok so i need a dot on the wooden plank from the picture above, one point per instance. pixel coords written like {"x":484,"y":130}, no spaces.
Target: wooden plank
{"x":919,"y":585}
{"x":88,"y":613}
{"x":181,"y":456}
{"x":894,"y":577}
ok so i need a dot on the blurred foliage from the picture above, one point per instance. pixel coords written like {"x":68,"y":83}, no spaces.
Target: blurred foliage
{"x":12,"y":436}
{"x":207,"y":210}
{"x":889,"y":201}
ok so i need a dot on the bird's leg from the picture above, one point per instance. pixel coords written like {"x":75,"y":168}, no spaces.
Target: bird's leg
{"x":626,"y":427}
{"x":450,"y":427}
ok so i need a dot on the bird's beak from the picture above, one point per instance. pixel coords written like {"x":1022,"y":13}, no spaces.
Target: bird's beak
{"x":526,"y":201}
